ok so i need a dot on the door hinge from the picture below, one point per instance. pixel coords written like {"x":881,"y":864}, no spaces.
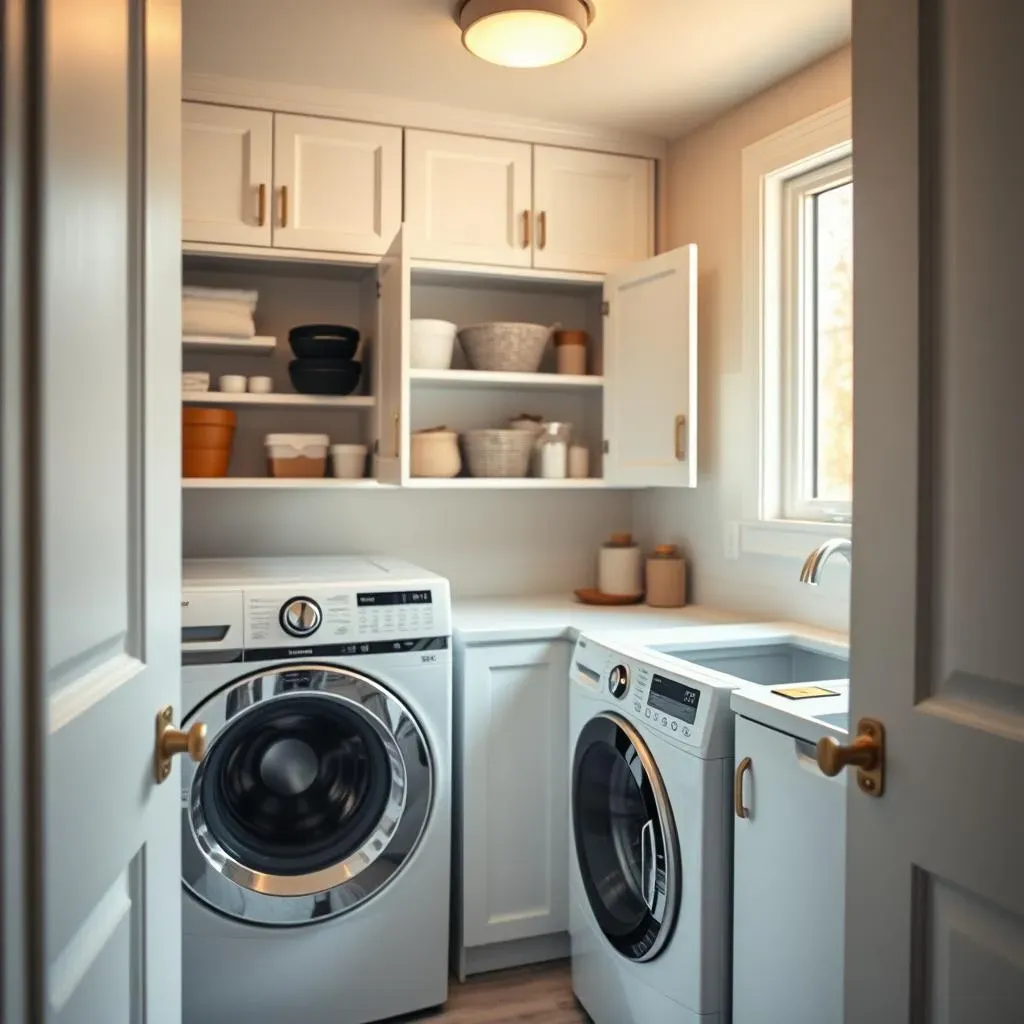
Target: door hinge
{"x":376,"y":447}
{"x":378,"y":290}
{"x":607,"y":447}
{"x":605,"y":308}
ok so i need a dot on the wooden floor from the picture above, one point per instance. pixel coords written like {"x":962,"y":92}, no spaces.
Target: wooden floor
{"x":542,"y":994}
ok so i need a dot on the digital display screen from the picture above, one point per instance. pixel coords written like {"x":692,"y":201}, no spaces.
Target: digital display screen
{"x":203,"y":634}
{"x":675,"y":699}
{"x":394,"y":597}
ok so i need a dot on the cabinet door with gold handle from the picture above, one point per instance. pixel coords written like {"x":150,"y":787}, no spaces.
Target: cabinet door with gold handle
{"x":171,"y":741}
{"x":526,"y":229}
{"x":284,"y":206}
{"x":542,"y":229}
{"x":680,"y":438}
{"x":261,"y":213}
{"x":866,"y":753}
{"x":737,"y":794}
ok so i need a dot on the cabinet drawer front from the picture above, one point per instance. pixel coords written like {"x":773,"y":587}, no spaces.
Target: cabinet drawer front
{"x":515,"y":782}
{"x":468,"y":199}
{"x":595,"y":210}
{"x":225,"y":158}
{"x":788,"y":885}
{"x":337,"y":184}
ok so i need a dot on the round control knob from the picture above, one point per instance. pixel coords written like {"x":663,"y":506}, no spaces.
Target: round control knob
{"x":301,"y":616}
{"x":618,"y":681}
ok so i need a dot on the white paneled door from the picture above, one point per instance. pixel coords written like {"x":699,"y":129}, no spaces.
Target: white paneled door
{"x":337,"y":184}
{"x":593,"y":211}
{"x":468,"y":199}
{"x":98,"y":331}
{"x":394,"y":290}
{"x":650,"y":360}
{"x":935,"y":891}
{"x":515,"y":786}
{"x":226,"y":174}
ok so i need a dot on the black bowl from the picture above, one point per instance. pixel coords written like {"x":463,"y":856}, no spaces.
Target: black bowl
{"x":324,"y":341}
{"x":325,"y":376}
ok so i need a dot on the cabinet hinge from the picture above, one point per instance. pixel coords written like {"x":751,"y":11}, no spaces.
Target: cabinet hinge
{"x":378,"y":290}
{"x":607,"y":447}
{"x":376,"y":447}
{"x":605,"y":308}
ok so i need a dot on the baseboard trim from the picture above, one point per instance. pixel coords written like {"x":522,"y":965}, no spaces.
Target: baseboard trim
{"x":519,"y":953}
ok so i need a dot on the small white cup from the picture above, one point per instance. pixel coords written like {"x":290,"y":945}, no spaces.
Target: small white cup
{"x":232,"y":383}
{"x":579,"y":462}
{"x":261,"y":385}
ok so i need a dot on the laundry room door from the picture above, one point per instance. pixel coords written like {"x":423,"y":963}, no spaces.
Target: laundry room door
{"x":935,"y":891}
{"x":92,"y":344}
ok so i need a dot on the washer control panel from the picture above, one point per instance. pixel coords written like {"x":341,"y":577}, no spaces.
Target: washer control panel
{"x":618,"y":681}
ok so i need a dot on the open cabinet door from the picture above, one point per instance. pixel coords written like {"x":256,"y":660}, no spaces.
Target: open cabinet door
{"x":91,"y":483}
{"x":395,"y":286}
{"x":650,"y":394}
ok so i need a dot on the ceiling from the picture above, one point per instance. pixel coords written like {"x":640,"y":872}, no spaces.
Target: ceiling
{"x":651,"y":66}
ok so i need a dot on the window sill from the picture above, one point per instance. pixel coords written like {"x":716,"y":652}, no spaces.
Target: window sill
{"x":786,"y":538}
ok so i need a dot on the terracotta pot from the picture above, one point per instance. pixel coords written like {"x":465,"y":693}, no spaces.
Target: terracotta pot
{"x":198,"y":415}
{"x":205,"y":461}
{"x":207,"y":436}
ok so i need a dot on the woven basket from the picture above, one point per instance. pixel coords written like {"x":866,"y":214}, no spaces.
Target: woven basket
{"x":505,"y":347}
{"x":498,"y":452}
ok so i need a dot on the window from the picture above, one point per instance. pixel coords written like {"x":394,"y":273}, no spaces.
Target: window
{"x":815,"y":346}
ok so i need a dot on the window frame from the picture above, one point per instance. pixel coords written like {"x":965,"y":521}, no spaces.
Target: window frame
{"x":797,"y":356}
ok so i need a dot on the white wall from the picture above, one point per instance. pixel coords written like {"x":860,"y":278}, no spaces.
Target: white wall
{"x":486,"y":543}
{"x":704,"y":187}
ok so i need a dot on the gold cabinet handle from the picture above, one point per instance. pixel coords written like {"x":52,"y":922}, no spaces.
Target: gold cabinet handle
{"x":398,"y":436}
{"x":284,"y":206}
{"x":737,"y":793}
{"x":866,"y":753}
{"x":542,"y":229}
{"x":526,"y":229}
{"x":680,"y":438}
{"x":261,"y":216}
{"x":171,"y":741}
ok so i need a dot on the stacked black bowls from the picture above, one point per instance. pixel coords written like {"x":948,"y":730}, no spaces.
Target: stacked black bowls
{"x":323,"y":363}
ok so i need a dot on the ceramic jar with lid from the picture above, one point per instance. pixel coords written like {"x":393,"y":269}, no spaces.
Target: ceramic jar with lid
{"x":552,"y":451}
{"x":666,"y":578}
{"x":620,"y":567}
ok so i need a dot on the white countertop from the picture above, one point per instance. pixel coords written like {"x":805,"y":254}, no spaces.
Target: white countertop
{"x":554,"y":617}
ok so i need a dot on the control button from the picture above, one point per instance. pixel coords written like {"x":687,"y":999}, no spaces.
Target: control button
{"x":647,"y":713}
{"x":675,"y":726}
{"x":636,"y":705}
{"x":301,"y":616}
{"x":618,"y":681}
{"x":664,"y":720}
{"x":686,"y":732}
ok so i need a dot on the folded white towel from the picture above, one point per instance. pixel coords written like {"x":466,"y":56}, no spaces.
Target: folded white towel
{"x":225,"y":323}
{"x":235,"y":295}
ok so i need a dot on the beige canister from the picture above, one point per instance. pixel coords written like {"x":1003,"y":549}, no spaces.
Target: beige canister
{"x":620,"y":567}
{"x":666,"y":578}
{"x":571,"y":351}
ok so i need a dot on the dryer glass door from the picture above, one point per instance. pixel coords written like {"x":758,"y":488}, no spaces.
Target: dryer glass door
{"x":314,"y":792}
{"x":626,"y":843}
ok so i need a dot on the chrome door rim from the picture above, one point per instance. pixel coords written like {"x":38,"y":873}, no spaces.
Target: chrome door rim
{"x":666,"y":823}
{"x":280,"y":899}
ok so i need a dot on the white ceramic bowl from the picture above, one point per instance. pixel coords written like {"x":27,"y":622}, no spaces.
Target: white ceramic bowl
{"x":431,"y":343}
{"x":348,"y":461}
{"x":232,"y":383}
{"x":261,"y":385}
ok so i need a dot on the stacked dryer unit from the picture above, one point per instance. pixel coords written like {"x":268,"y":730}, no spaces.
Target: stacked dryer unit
{"x":316,"y":831}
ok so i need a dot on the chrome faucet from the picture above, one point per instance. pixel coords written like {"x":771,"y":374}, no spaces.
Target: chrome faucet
{"x":815,"y":563}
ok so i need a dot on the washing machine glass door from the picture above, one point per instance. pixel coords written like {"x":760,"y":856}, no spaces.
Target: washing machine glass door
{"x":315,"y":790}
{"x":626,"y":843}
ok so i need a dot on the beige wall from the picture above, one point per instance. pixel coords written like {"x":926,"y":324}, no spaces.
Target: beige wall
{"x":704,"y":197}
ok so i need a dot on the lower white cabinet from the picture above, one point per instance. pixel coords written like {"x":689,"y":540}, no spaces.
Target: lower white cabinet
{"x":788,"y":883}
{"x":512,"y":785}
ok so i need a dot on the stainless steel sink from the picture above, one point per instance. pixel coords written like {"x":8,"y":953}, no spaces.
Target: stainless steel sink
{"x":771,"y":663}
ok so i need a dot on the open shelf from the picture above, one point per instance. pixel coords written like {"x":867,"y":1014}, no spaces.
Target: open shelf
{"x":481,"y":483}
{"x":271,"y":483}
{"x":258,"y":346}
{"x":277,"y":400}
{"x":487,"y":379}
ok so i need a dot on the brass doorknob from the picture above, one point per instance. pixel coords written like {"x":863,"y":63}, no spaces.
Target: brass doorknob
{"x":866,"y":753}
{"x":171,"y":741}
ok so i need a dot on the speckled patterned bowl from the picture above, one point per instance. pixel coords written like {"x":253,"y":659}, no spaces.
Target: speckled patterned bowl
{"x":505,"y":347}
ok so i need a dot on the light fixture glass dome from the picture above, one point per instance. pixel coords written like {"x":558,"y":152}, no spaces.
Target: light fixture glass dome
{"x":525,"y":34}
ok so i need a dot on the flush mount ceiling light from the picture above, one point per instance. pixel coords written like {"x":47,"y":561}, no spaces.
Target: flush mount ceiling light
{"x":525,"y":33}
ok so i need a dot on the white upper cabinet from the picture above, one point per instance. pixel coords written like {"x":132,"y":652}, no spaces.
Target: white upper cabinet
{"x":650,"y":369}
{"x":468,"y":199}
{"x":594,"y":212}
{"x":226,"y":174}
{"x":338,"y":184}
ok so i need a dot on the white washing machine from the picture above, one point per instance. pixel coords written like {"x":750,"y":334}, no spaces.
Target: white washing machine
{"x":317,"y":830}
{"x":651,"y":849}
